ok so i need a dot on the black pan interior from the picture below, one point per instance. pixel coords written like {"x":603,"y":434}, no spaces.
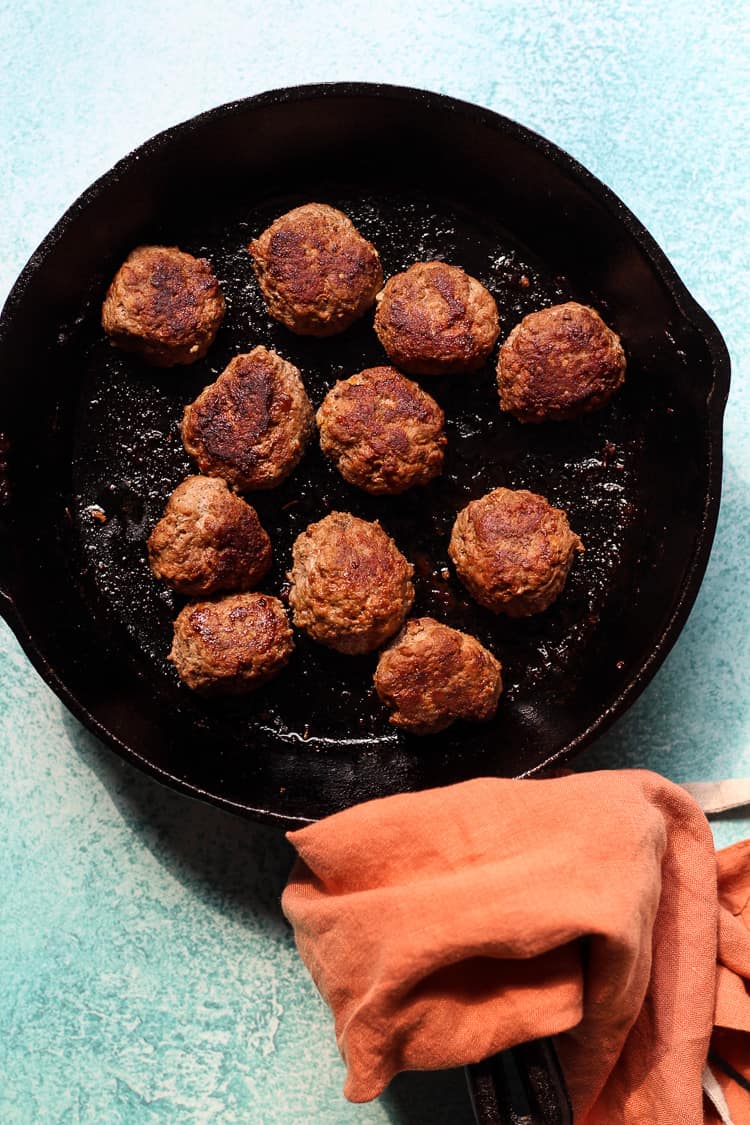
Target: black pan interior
{"x":91,"y":430}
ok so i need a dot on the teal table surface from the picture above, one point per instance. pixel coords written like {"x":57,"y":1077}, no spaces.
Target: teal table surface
{"x":146,"y":972}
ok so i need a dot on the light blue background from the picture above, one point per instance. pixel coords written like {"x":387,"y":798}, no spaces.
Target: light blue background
{"x":146,"y":974}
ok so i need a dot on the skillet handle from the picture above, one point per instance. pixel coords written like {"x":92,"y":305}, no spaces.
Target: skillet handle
{"x":523,"y":1086}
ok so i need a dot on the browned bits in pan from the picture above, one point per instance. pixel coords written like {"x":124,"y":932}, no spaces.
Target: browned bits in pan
{"x":163,"y":304}
{"x":382,"y":431}
{"x":434,"y":319}
{"x":252,"y":425}
{"x":513,"y":551}
{"x":431,"y":675}
{"x":558,"y":363}
{"x":316,"y":272}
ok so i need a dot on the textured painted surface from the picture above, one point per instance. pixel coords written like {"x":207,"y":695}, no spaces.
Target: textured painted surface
{"x":146,"y":974}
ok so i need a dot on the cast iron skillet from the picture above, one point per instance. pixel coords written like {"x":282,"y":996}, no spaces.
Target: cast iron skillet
{"x":85,"y":427}
{"x":87,"y":432}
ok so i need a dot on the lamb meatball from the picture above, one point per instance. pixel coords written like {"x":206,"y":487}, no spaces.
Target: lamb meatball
{"x":431,"y":675}
{"x":384,"y":433}
{"x":232,"y":645}
{"x":351,"y":586}
{"x":252,"y":425}
{"x":163,"y":304}
{"x":436,"y":320}
{"x":208,"y":540}
{"x":316,"y":272}
{"x":558,"y":363}
{"x":512,"y":551}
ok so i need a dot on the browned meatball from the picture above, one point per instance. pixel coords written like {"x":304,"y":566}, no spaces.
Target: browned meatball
{"x":208,"y":540}
{"x":316,"y":272}
{"x":431,"y":675}
{"x":512,"y":551}
{"x":436,"y":320}
{"x":558,"y":363}
{"x":252,"y":425}
{"x":163,"y":304}
{"x":351,"y":586}
{"x":384,"y":433}
{"x":232,"y":645}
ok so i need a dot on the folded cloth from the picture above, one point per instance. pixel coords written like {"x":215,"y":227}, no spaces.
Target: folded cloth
{"x":444,"y":926}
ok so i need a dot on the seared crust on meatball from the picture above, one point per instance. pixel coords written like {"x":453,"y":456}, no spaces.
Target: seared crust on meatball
{"x":232,"y":645}
{"x":316,"y":272}
{"x":384,"y":433}
{"x":434,"y":319}
{"x":208,"y":540}
{"x":558,"y":363}
{"x":252,"y":425}
{"x":163,"y":304}
{"x":512,"y":551}
{"x":431,"y":675}
{"x":351,"y":586}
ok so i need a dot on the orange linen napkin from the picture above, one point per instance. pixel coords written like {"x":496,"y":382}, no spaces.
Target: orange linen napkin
{"x":447,"y":925}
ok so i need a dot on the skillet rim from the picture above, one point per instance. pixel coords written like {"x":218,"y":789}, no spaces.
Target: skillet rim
{"x":688,"y":307}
